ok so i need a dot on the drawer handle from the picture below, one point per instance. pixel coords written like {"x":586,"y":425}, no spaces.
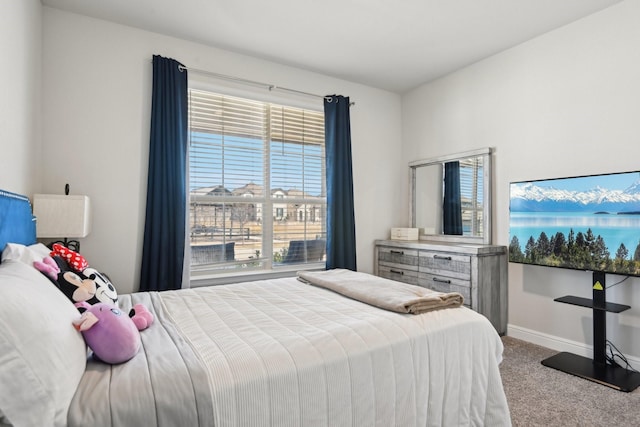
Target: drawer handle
{"x":397,"y":272}
{"x":397,"y":252}
{"x":448,"y":258}
{"x":435,"y":279}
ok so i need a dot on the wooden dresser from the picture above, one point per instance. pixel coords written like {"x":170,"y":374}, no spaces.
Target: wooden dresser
{"x":478,"y":272}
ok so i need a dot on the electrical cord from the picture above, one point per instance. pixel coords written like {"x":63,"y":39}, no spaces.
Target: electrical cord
{"x":611,"y":357}
{"x":617,"y":283}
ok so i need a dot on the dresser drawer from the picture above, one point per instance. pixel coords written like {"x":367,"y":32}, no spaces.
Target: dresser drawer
{"x":406,"y":257}
{"x":399,"y":274}
{"x":446,"y":284}
{"x":445,"y":264}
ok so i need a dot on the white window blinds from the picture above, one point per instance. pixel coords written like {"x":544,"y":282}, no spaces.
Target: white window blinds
{"x":256,"y":181}
{"x":471,"y":193}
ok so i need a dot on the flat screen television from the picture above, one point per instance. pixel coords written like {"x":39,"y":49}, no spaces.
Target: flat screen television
{"x":587,"y":223}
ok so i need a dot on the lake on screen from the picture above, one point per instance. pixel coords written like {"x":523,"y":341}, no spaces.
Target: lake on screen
{"x":614,"y":229}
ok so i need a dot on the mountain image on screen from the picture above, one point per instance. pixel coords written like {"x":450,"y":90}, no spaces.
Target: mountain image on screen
{"x":586,"y":223}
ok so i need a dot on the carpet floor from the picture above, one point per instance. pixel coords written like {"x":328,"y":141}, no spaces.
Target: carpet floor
{"x":541,"y":396}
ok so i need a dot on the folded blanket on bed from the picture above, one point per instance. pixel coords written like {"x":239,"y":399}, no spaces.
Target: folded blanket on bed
{"x":380,"y":292}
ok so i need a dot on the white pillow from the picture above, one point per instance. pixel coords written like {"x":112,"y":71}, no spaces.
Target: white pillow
{"x":42,"y":356}
{"x":25,"y":254}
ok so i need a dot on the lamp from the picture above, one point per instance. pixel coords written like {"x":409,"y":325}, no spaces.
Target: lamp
{"x":62,"y":217}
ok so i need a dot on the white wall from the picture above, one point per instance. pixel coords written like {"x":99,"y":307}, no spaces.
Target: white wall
{"x":21,"y":50}
{"x":97,"y":95}
{"x":564,"y":104}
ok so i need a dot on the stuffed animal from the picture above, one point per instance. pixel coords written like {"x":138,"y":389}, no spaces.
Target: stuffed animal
{"x":89,"y":285}
{"x":76,"y":287}
{"x":76,"y":261}
{"x":48,"y":267}
{"x":113,"y":336}
{"x":141,"y":316}
{"x":105,"y":291}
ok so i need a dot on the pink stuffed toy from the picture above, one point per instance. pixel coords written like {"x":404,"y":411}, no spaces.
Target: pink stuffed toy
{"x":141,"y":316}
{"x":113,"y":336}
{"x":48,"y":267}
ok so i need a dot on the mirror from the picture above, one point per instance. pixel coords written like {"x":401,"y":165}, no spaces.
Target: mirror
{"x":451,"y":197}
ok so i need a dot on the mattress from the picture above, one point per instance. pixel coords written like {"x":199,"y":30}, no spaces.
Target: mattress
{"x":284,"y":353}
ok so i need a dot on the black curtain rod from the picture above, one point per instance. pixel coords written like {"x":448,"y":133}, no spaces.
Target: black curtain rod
{"x":268,"y":86}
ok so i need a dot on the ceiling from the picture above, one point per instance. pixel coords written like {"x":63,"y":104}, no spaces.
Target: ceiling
{"x":389,"y":44}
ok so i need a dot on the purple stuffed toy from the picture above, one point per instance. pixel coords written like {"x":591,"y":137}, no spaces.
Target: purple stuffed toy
{"x":113,"y":336}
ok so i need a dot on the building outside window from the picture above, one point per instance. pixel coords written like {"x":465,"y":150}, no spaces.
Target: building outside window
{"x":256,"y":184}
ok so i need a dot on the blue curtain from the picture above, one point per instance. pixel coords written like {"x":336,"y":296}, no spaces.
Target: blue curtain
{"x":164,"y":230}
{"x":452,"y":205}
{"x":341,"y":229}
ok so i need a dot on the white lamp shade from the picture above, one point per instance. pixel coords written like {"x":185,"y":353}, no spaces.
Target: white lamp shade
{"x":62,"y":216}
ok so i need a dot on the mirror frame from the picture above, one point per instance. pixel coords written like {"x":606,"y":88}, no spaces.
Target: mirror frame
{"x":487,"y":184}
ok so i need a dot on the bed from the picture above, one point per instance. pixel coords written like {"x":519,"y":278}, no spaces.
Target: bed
{"x":265,"y":353}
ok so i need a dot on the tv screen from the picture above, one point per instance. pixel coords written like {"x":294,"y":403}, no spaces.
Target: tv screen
{"x":583,"y":223}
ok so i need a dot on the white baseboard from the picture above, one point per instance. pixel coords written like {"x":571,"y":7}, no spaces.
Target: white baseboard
{"x":559,"y":344}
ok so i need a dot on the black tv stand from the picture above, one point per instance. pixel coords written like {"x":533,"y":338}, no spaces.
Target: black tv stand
{"x":596,"y":369}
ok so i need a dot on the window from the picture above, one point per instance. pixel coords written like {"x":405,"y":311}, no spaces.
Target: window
{"x":257,"y":184}
{"x":471,"y":192}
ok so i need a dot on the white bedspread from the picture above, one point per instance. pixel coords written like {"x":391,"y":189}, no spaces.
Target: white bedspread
{"x":283,"y":353}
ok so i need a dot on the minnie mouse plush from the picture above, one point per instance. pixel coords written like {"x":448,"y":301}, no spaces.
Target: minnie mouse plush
{"x":48,"y":267}
{"x":71,"y":273}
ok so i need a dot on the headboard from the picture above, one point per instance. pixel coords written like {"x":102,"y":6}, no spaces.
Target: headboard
{"x":17,"y":223}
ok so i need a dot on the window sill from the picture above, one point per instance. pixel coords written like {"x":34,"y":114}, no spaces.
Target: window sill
{"x":204,"y":278}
